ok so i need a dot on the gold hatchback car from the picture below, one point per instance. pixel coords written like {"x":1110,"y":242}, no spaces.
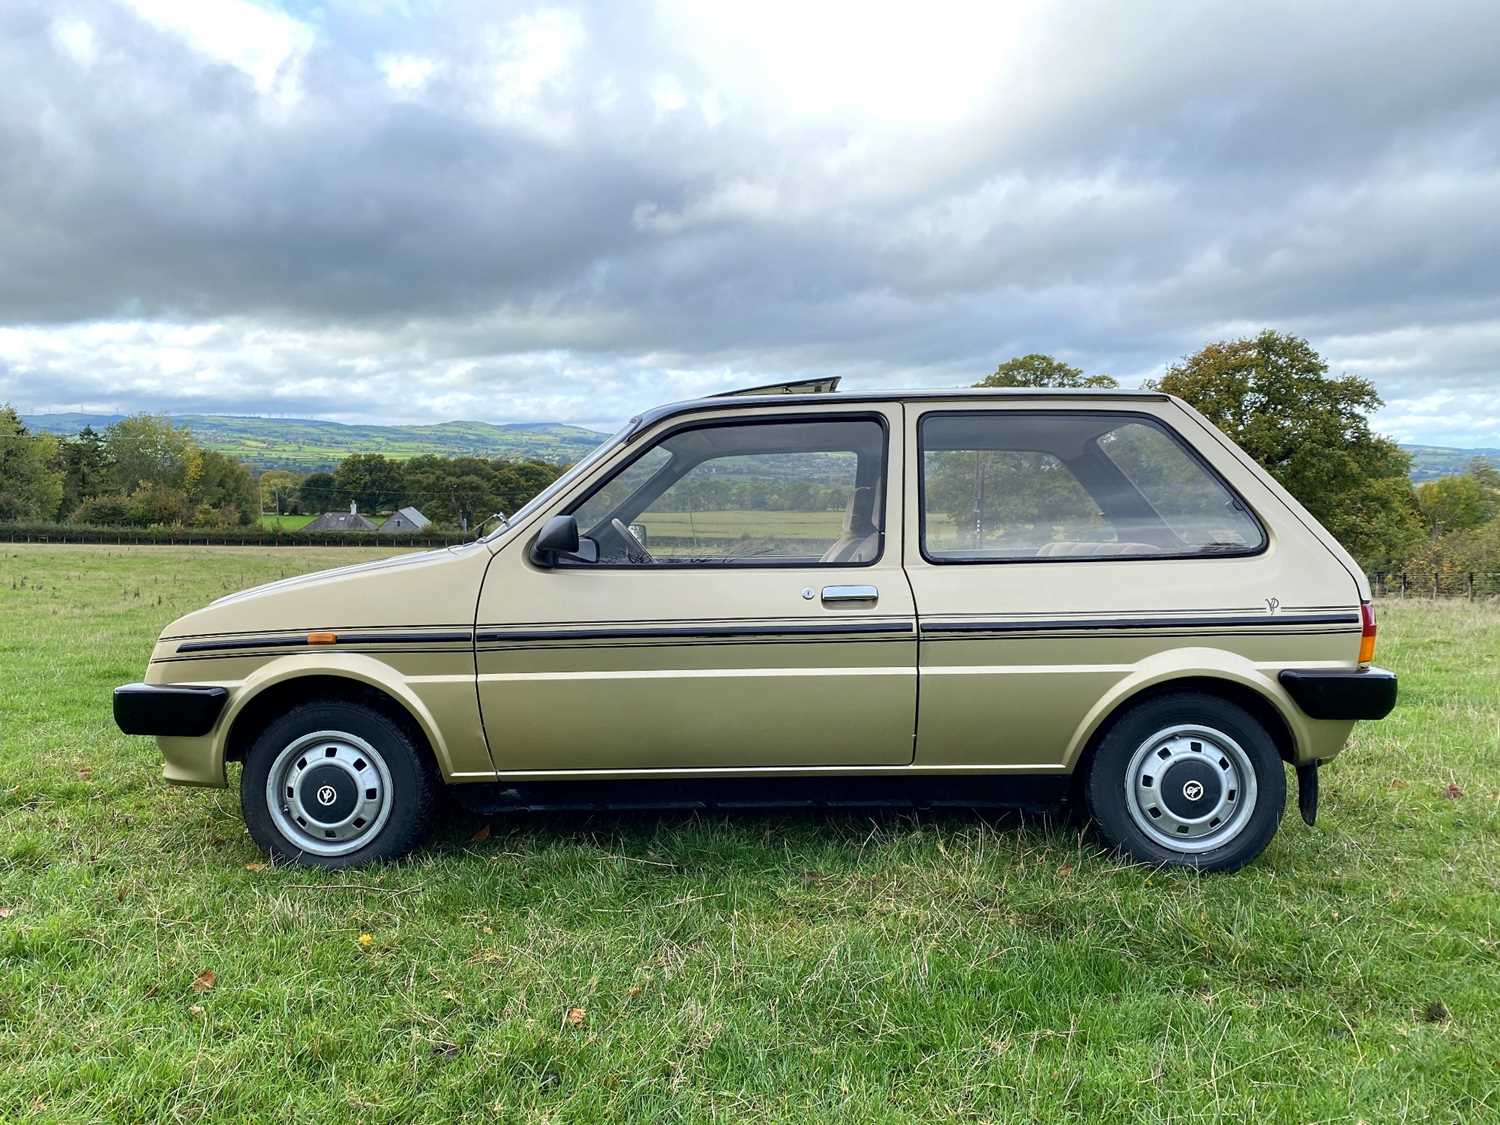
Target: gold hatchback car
{"x":926,"y":597}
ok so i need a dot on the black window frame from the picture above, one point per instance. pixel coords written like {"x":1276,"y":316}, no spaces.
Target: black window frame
{"x":880,"y":419}
{"x":1127,"y":416}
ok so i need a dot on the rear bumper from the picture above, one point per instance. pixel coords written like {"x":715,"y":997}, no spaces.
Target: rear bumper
{"x":172,"y":710}
{"x":1341,"y":693}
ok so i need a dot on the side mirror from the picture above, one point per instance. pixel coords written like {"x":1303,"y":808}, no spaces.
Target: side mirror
{"x":559,"y":536}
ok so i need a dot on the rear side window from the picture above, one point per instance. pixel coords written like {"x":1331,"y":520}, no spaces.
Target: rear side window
{"x":1004,"y":486}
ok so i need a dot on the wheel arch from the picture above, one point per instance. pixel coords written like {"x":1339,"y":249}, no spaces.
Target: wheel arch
{"x":260,"y":700}
{"x":1245,"y":687}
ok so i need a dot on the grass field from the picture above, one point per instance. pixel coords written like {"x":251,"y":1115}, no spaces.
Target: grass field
{"x":729,"y":525}
{"x":286,"y":523}
{"x":786,"y":967}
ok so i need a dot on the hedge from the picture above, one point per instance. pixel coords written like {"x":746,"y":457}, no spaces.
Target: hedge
{"x":229,"y":536}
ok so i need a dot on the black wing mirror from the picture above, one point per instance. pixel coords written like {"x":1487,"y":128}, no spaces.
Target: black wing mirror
{"x":560,"y":537}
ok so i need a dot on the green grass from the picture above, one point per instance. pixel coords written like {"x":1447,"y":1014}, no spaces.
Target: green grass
{"x":285,"y":523}
{"x":783,"y":967}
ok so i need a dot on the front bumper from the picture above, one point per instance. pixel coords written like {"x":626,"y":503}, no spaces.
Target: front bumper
{"x":171,"y":710}
{"x":1341,"y":693}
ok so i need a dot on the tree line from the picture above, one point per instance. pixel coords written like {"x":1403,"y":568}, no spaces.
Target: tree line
{"x":142,"y":471}
{"x":145,"y":472}
{"x":457,"y":492}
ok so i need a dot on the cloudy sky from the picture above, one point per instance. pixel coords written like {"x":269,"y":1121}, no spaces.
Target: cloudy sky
{"x":402,"y":210}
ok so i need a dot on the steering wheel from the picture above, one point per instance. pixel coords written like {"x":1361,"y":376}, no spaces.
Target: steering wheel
{"x":635,"y":551}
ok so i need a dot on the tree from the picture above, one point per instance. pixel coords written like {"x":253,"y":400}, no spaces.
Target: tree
{"x":85,"y":468}
{"x":317,"y":493}
{"x":1486,"y":474}
{"x":31,"y":488}
{"x":280,"y":491}
{"x":518,"y":481}
{"x":147,"y":448}
{"x":105,"y":510}
{"x":155,"y":504}
{"x":1455,"y":503}
{"x":370,"y":479}
{"x":1272,"y":395}
{"x":225,"y":493}
{"x":1037,"y":370}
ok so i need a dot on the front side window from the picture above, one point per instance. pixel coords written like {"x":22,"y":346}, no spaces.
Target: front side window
{"x":1007,"y":485}
{"x":777,"y":493}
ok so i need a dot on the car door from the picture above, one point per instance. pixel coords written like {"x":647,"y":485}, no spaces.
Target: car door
{"x":738,"y":602}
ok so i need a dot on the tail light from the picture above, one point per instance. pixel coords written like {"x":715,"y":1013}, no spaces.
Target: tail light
{"x":1366,"y":632}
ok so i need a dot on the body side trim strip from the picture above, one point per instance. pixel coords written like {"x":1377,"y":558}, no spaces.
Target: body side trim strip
{"x":1012,"y":626}
{"x":341,"y":640}
{"x":904,"y":671}
{"x":818,"y":629}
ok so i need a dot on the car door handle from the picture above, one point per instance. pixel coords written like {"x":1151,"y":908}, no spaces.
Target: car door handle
{"x":850,"y":593}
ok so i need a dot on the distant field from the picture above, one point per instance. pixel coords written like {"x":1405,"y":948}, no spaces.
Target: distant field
{"x":779,"y":967}
{"x":712,"y":525}
{"x":675,"y":533}
{"x":285,"y":523}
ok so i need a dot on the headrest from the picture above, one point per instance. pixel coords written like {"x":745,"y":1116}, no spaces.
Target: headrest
{"x":858,"y":511}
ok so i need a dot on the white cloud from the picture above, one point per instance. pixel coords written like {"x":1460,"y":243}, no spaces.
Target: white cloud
{"x":268,"y":45}
{"x":911,"y":65}
{"x":407,"y":74}
{"x":530,"y":67}
{"x":667,"y":94}
{"x":76,"y":39}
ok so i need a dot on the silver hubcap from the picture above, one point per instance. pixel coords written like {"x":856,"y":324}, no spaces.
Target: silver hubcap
{"x":1190,"y":788}
{"x":329,"y":792}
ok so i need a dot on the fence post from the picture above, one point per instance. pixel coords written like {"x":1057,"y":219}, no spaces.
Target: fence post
{"x":1471,"y":585}
{"x":1403,"y":583}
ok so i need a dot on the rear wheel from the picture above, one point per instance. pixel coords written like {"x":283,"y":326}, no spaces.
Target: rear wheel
{"x":1187,"y":779}
{"x":336,"y":784}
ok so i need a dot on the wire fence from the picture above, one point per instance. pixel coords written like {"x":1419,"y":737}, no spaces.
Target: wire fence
{"x":1435,"y":584}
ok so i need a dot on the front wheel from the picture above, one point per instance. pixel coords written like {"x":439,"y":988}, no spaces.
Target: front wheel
{"x":336,"y":784}
{"x":1190,"y":780}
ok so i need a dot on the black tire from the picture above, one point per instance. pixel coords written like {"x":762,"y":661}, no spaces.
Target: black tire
{"x":1247,"y":752}
{"x":405,"y":785}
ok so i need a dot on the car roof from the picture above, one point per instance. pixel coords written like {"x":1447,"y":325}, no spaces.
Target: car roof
{"x":743,"y":401}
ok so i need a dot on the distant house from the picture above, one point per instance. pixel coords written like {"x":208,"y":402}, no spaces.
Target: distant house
{"x":406,"y":521}
{"x":341,"y":521}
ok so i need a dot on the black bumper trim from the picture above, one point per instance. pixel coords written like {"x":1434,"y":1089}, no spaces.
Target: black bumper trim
{"x":176,"y":710}
{"x":1354,"y":693}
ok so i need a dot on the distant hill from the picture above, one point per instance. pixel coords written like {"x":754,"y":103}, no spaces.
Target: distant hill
{"x":306,"y":445}
{"x":1429,"y":461}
